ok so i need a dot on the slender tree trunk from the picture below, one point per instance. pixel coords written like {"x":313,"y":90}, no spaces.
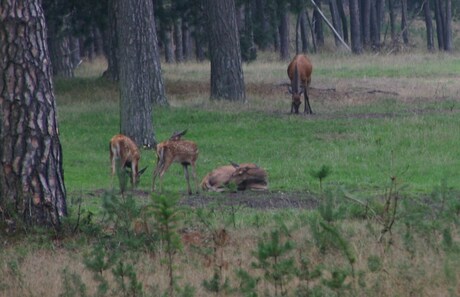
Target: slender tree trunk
{"x":343,"y":19}
{"x":304,"y":30}
{"x":439,"y":23}
{"x":318,"y":25}
{"x":187,"y":44}
{"x":141,"y":83}
{"x":404,"y":28}
{"x":31,"y":175}
{"x":355,"y":27}
{"x":366,"y":22}
{"x":392,"y":22}
{"x":224,"y":47}
{"x":179,"y":51}
{"x":284,"y":33}
{"x":333,"y":7}
{"x":375,"y":26}
{"x":75,"y":51}
{"x":111,"y":42}
{"x":168,"y":45}
{"x":448,"y":42}
{"x":429,"y":26}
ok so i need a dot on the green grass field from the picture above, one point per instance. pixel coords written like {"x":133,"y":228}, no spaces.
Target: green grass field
{"x":364,"y":140}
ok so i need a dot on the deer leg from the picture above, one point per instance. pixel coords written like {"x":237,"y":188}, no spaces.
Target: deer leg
{"x":156,"y":172}
{"x":187,"y":178}
{"x":307,"y":102}
{"x":194,"y":177}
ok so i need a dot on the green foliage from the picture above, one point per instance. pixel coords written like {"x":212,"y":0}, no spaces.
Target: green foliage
{"x":273,"y":259}
{"x":321,"y":174}
{"x":216,"y":284}
{"x":168,"y":216}
{"x":72,"y":284}
{"x":374,"y":263}
{"x":97,"y":261}
{"x":126,"y":279}
{"x":247,"y":283}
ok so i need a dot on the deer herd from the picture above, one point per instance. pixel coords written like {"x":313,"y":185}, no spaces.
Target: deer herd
{"x":125,"y":155}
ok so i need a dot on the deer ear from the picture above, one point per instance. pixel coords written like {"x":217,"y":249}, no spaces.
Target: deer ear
{"x":234,"y":164}
{"x":142,"y":170}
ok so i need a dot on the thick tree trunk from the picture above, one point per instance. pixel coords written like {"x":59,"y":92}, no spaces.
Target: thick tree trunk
{"x":141,"y":83}
{"x":224,"y":47}
{"x":31,"y":175}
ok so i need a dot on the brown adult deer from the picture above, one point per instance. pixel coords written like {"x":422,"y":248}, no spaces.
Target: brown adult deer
{"x":124,"y":151}
{"x":299,"y":72}
{"x":244,"y":176}
{"x":176,"y":150}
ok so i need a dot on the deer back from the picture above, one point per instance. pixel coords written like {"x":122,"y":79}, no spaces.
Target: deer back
{"x":180,"y":151}
{"x":123,"y":148}
{"x":304,"y":70}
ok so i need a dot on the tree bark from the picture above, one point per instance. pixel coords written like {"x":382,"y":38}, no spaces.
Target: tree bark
{"x":304,"y":30}
{"x":224,"y":47}
{"x":439,"y":23}
{"x":178,"y":51}
{"x":392,"y":22}
{"x":343,"y":19}
{"x":355,"y":27}
{"x":111,"y":43}
{"x":284,"y":32}
{"x":429,"y":26}
{"x":333,"y":7}
{"x":31,"y":175}
{"x":141,"y":84}
{"x":404,"y":28}
{"x":448,"y":42}
{"x":317,"y":21}
{"x":366,"y":22}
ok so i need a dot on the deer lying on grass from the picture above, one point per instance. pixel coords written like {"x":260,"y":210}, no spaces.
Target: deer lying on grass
{"x":244,"y":176}
{"x":299,"y":72}
{"x":125,"y":152}
{"x":176,"y":150}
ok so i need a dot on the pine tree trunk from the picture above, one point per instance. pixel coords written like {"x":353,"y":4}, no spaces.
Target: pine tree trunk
{"x":111,"y":43}
{"x":439,"y":23}
{"x":318,"y":25}
{"x":31,"y":175}
{"x":284,"y":33}
{"x":429,"y":26}
{"x":333,"y":7}
{"x":187,"y":44}
{"x":404,"y":28}
{"x":391,"y":8}
{"x":366,"y":22}
{"x":224,"y":47}
{"x":141,"y":83}
{"x":448,"y":42}
{"x":178,"y":51}
{"x":304,"y":30}
{"x":343,"y":19}
{"x":355,"y":28}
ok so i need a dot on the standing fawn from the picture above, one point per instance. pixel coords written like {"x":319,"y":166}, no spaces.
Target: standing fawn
{"x":125,"y":152}
{"x":176,"y":150}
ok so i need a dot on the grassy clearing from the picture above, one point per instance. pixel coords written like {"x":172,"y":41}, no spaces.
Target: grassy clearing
{"x":407,"y":128}
{"x":363,"y":138}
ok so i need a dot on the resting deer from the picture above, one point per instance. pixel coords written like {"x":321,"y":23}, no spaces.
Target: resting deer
{"x":244,"y":176}
{"x":124,"y":151}
{"x":176,"y":150}
{"x":299,"y":72}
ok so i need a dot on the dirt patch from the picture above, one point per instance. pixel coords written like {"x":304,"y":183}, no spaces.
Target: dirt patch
{"x":264,"y":200}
